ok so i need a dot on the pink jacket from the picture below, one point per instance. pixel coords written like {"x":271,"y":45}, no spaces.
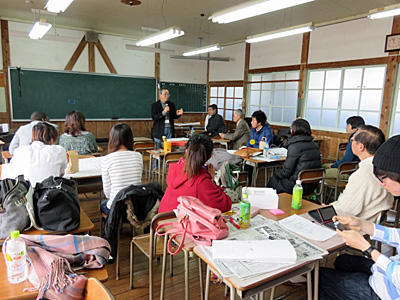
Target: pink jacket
{"x":201,"y":186}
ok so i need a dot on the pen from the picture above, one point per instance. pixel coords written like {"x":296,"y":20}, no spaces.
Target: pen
{"x":233,"y":222}
{"x":265,"y":233}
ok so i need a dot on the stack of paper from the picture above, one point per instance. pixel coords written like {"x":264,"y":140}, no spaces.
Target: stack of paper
{"x":263,"y":198}
{"x":277,"y":151}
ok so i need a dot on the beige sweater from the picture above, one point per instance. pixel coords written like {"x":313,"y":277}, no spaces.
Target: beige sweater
{"x":363,"y":196}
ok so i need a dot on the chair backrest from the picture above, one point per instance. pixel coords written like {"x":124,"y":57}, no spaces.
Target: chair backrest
{"x":95,"y":290}
{"x":243,"y":178}
{"x":347,"y":168}
{"x":341,"y":150}
{"x":153,"y":225}
{"x":173,"y":157}
{"x":143,"y":146}
{"x":381,"y":217}
{"x":312,"y":176}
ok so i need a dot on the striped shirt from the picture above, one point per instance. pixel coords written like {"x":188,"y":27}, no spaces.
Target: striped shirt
{"x":385,"y":279}
{"x":119,"y":170}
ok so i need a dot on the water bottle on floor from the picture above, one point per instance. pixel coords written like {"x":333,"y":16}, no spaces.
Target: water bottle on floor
{"x":15,"y":254}
{"x":297,"y":195}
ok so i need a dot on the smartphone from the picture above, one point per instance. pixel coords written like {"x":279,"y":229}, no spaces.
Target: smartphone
{"x":340,"y":226}
{"x":326,"y":213}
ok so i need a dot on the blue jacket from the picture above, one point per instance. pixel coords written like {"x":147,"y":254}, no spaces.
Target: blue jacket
{"x":348,"y":155}
{"x":257,"y":136}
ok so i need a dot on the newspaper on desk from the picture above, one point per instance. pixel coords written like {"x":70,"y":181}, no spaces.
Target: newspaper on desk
{"x":305,"y":250}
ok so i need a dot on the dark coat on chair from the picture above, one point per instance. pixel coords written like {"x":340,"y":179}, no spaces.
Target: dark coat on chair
{"x":215,"y":125}
{"x":302,"y":154}
{"x":159,"y":118}
{"x":143,"y":204}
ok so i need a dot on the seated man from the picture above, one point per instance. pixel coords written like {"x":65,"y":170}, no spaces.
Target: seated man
{"x":23,"y":136}
{"x":351,"y":127}
{"x":215,"y":124}
{"x":363,"y":196}
{"x":242,"y":132}
{"x":260,"y":129}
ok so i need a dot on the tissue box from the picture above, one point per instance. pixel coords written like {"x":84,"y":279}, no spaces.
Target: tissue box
{"x":263,"y":198}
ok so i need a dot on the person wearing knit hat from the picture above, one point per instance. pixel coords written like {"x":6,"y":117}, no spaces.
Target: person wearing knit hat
{"x":374,"y":276}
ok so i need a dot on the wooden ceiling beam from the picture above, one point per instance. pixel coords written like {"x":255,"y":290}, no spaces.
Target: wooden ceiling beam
{"x":105,"y":57}
{"x":75,"y":56}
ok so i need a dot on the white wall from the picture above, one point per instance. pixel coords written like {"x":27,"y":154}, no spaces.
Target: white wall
{"x":232,"y":70}
{"x":356,"y":39}
{"x":274,"y":53}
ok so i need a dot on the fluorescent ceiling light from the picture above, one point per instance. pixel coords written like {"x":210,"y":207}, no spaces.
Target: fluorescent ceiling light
{"x":202,"y":50}
{"x":148,"y":49}
{"x":39,"y":29}
{"x":160,"y":36}
{"x":388,"y":11}
{"x":57,"y":6}
{"x":280,"y":33}
{"x":251,"y":9}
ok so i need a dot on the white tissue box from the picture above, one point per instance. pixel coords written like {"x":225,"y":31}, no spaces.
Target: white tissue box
{"x":263,"y":198}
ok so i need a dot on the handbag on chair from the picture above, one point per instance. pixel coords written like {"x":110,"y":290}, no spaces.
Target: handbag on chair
{"x":199,"y":222}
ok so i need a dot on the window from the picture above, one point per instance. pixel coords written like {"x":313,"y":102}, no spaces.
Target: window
{"x":275,"y":94}
{"x":394,"y":128}
{"x":228,"y":97}
{"x":333,"y":95}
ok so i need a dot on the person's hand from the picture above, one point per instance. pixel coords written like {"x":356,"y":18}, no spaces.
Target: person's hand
{"x":329,"y":166}
{"x":179,"y":112}
{"x":166,"y":109}
{"x":222,"y":135}
{"x":354,"y":239}
{"x":350,"y":222}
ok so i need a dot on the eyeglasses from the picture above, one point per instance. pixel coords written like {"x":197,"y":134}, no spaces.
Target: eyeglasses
{"x":166,"y":95}
{"x":380,"y":178}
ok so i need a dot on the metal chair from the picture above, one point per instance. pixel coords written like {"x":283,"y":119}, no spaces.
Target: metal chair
{"x":169,"y":158}
{"x":341,"y":150}
{"x":313,"y":176}
{"x":6,"y":156}
{"x":95,"y":290}
{"x":152,"y":246}
{"x":340,"y":182}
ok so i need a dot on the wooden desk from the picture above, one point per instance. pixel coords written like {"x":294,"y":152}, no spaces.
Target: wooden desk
{"x":142,"y":139}
{"x":15,"y":291}
{"x":219,"y":140}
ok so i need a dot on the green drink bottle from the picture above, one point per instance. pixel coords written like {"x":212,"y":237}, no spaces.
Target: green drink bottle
{"x":297,"y":195}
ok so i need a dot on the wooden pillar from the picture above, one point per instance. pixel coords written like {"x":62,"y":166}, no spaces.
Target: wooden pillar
{"x":388,"y":92}
{"x":92,"y":64}
{"x":303,"y":73}
{"x":157,"y":64}
{"x":5,"y":49}
{"x":105,"y":57}
{"x":78,"y":51}
{"x":246,"y":75}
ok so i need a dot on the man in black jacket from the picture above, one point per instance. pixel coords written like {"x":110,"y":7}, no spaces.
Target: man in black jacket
{"x":163,"y":113}
{"x":215,"y":124}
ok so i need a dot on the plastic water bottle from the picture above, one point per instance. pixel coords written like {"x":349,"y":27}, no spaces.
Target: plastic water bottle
{"x":17,"y":268}
{"x":265,"y":149}
{"x":297,"y":195}
{"x":191,"y":131}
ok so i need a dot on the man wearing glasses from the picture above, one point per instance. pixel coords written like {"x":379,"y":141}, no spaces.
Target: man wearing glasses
{"x":363,"y":196}
{"x":163,"y":113}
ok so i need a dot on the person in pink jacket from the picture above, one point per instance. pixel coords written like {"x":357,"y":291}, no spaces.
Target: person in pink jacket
{"x":189,"y":177}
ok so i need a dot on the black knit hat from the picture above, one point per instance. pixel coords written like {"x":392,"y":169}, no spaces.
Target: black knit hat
{"x":387,"y":158}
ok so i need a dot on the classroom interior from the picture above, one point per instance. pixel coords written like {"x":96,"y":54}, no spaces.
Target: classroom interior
{"x":323,"y":76}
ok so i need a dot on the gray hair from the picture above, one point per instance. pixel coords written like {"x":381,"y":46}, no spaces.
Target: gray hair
{"x":240,"y":113}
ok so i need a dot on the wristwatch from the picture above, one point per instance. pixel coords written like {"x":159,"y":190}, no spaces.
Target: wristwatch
{"x":367,"y":253}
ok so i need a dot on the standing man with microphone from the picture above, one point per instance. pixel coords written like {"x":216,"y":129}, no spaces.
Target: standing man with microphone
{"x":163,"y":113}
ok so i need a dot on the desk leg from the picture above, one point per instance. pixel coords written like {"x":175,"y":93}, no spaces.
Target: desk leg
{"x":201,"y":279}
{"x":309,"y":286}
{"x":316,"y":279}
{"x":150,"y":166}
{"x":255,"y":175}
{"x":232,"y":292}
{"x":272,"y":295}
{"x":207,"y":290}
{"x":164,"y":263}
{"x":186,"y":274}
{"x":159,"y":170}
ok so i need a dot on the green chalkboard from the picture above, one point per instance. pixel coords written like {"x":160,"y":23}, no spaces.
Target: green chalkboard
{"x":189,"y":96}
{"x":98,"y":96}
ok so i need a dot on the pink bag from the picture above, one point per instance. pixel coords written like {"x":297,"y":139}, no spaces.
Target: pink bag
{"x":199,"y":222}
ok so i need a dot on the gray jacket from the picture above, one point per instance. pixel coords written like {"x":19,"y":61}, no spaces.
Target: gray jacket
{"x":240,"y":136}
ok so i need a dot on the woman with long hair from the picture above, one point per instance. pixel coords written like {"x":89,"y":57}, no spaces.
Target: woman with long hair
{"x":122,"y":166}
{"x":41,"y":158}
{"x":76,"y":137}
{"x":189,"y":177}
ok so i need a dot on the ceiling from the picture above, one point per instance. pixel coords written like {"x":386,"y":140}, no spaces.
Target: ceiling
{"x":114,"y":17}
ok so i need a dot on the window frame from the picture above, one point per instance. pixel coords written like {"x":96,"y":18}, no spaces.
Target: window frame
{"x":226,"y":85}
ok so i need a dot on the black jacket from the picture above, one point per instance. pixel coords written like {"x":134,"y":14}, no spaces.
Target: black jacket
{"x":215,"y":125}
{"x":302,"y":154}
{"x":159,"y":118}
{"x":145,"y":198}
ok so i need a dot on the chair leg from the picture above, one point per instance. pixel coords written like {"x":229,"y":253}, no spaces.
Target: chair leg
{"x":150,"y":277}
{"x":207,"y":290}
{"x":201,"y":279}
{"x":164,"y":261}
{"x":171,"y":265}
{"x":186,"y":255}
{"x":316,"y":279}
{"x":131,"y":265}
{"x":117,"y":258}
{"x":309,"y":286}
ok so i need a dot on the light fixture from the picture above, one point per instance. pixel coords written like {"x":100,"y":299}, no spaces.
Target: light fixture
{"x":57,"y":6}
{"x":280,"y":33}
{"x":160,"y":36}
{"x":251,"y":9}
{"x":39,"y":29}
{"x":388,"y":11}
{"x":205,"y":49}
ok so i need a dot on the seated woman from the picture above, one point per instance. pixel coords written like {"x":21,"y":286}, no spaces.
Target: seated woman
{"x":302,"y":154}
{"x":189,"y":177}
{"x":122,"y":166}
{"x":76,"y":137}
{"x":41,"y":158}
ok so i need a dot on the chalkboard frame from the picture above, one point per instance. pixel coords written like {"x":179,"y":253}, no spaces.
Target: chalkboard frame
{"x":163,"y":83}
{"x":78,"y":73}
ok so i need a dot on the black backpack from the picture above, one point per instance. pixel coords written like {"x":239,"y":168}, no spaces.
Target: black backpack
{"x":56,"y":204}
